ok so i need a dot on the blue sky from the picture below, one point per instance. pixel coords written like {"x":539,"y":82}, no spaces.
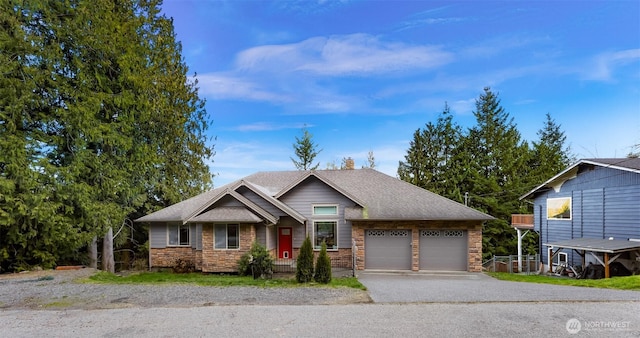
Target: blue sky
{"x":364,"y":75}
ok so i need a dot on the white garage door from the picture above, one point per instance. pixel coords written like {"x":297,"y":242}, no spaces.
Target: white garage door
{"x":443,"y":250}
{"x":387,"y":249}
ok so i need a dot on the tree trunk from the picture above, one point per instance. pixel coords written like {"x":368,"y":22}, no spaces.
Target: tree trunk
{"x":93,"y":253}
{"x":108,"y":263}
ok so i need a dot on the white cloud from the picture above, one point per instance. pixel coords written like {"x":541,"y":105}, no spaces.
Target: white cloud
{"x":463,"y":107}
{"x":605,"y":64}
{"x":239,"y":159}
{"x":220,"y":86}
{"x":342,"y":55}
{"x":267,"y":126}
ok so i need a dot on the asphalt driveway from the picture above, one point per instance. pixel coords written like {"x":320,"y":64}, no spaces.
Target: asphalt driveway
{"x":465,"y":287}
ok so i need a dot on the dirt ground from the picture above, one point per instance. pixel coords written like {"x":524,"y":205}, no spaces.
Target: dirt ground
{"x":63,"y":289}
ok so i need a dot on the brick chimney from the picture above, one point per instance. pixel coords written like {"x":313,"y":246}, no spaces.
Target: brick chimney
{"x":350,"y":164}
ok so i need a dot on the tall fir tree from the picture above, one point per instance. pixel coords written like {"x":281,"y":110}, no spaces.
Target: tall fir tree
{"x":306,"y":151}
{"x":498,"y":159}
{"x":33,"y":227}
{"x":432,"y":153}
{"x":550,"y":154}
{"x":116,"y":128}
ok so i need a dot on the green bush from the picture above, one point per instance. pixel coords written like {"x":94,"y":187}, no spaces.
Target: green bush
{"x":304,"y":262}
{"x":183,"y":265}
{"x":257,"y":262}
{"x":323,"y":266}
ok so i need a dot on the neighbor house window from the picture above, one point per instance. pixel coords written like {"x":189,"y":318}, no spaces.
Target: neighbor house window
{"x":178,"y":234}
{"x":559,"y":208}
{"x":325,"y":231}
{"x":227,"y":236}
{"x":561,"y":259}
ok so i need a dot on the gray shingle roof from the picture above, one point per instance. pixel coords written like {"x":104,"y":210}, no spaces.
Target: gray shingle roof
{"x":379,"y":196}
{"x":228,"y":214}
{"x":596,"y":245}
{"x":181,"y":211}
{"x":618,"y":163}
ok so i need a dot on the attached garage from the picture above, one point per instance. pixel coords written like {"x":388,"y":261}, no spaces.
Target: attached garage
{"x":443,"y":250}
{"x":388,"y":249}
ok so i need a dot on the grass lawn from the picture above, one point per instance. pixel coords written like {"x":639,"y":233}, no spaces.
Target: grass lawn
{"x":621,"y":283}
{"x":214,"y":280}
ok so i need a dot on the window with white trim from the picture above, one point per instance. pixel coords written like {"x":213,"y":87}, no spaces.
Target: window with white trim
{"x":325,"y":231}
{"x":561,"y":258}
{"x":178,"y":235}
{"x":325,"y":210}
{"x":226,"y":236}
{"x":559,"y":208}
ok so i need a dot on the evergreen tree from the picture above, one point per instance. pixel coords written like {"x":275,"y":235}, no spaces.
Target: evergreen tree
{"x":432,"y":153}
{"x":490,"y":163}
{"x":110,"y":126}
{"x":498,"y":161}
{"x":304,"y":262}
{"x":635,"y":151}
{"x":323,"y":266}
{"x":550,"y":154}
{"x":371,"y":161}
{"x":306,"y":151}
{"x":34,"y":227}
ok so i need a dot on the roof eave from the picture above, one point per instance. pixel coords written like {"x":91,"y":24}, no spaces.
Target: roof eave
{"x":276,"y":203}
{"x":256,"y":208}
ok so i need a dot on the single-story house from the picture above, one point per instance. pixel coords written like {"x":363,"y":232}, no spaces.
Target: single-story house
{"x":364,"y":216}
{"x":590,"y":213}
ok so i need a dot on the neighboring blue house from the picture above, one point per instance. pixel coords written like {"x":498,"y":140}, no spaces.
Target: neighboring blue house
{"x":590,"y":213}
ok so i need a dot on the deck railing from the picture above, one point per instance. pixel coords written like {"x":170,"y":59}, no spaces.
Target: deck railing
{"x":530,"y":264}
{"x":522,"y":219}
{"x":285,"y":265}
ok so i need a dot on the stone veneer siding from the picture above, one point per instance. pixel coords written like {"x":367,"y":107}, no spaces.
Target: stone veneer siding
{"x":474,"y":237}
{"x":225,"y":260}
{"x":166,"y":257}
{"x":215,"y":260}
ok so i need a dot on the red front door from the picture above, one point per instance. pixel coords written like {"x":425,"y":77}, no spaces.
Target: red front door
{"x":284,"y":242}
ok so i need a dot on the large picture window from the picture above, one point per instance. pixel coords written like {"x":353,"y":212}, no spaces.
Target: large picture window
{"x":178,"y":235}
{"x":559,"y":208}
{"x":227,"y":236}
{"x":325,"y":231}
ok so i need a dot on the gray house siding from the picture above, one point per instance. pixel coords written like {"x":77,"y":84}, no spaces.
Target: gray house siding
{"x":315,"y":192}
{"x":605,"y":203}
{"x":158,"y":235}
{"x":261,"y":234}
{"x":198,"y":237}
{"x":261,"y":202}
{"x":228,"y":201}
{"x":271,"y":238}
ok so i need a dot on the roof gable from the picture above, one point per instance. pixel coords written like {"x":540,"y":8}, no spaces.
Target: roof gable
{"x":264,"y":193}
{"x":624,"y":164}
{"x":322,"y":178}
